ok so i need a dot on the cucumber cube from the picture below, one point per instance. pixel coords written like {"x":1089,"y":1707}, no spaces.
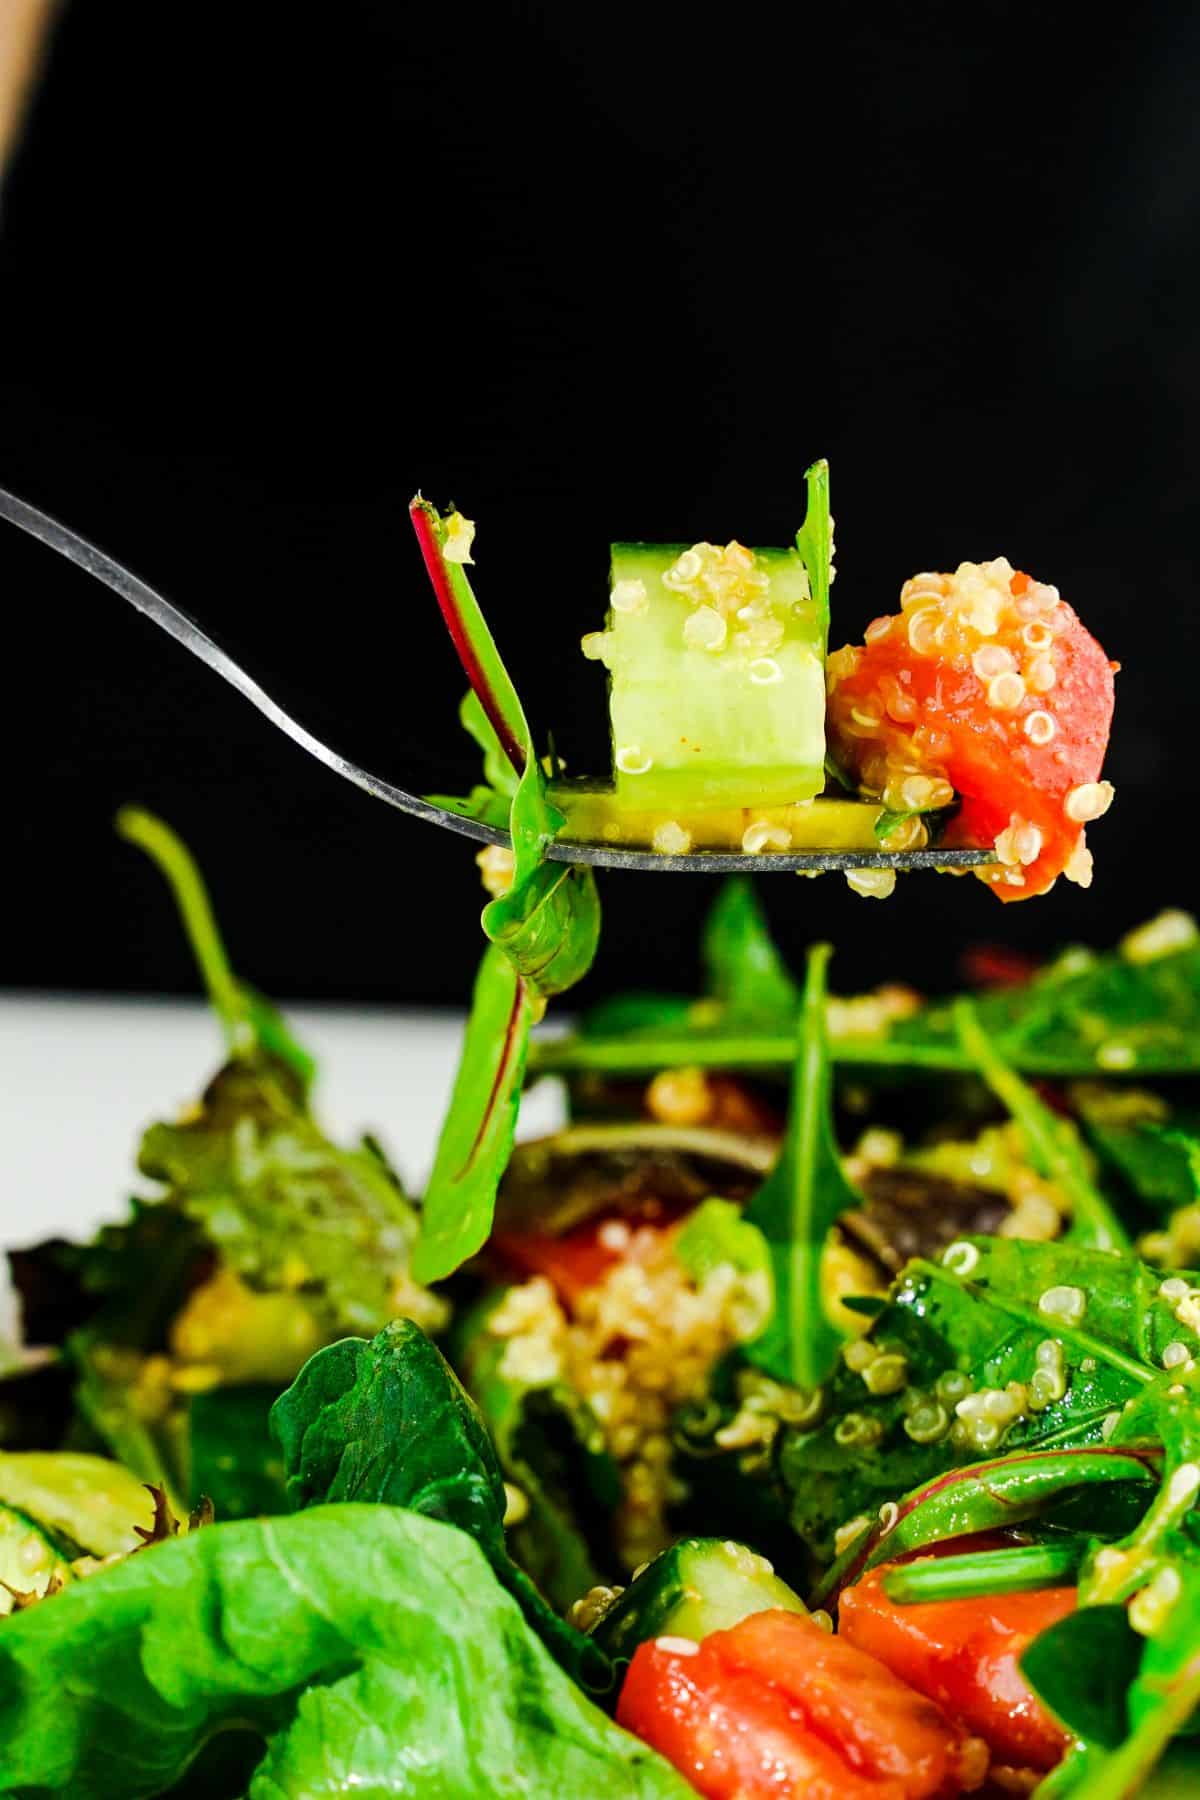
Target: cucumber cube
{"x":716,"y":659}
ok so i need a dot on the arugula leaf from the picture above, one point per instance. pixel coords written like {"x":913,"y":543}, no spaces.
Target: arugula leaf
{"x":799,"y":1202}
{"x":551,"y":1448}
{"x":1084,"y":1014}
{"x":745,"y":973}
{"x":1142,"y":1139}
{"x":388,"y":1421}
{"x":1052,"y":1142}
{"x":544,"y":930}
{"x":346,"y":1637}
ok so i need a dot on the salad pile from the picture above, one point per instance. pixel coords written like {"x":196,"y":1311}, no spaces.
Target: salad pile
{"x":816,"y":1413}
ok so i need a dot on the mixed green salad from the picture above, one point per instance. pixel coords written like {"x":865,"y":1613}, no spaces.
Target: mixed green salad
{"x":816,"y":1413}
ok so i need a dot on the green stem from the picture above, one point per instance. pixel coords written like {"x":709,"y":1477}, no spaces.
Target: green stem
{"x":1124,"y":1772}
{"x":1093,"y":1221}
{"x":986,"y":1572}
{"x":176,"y":863}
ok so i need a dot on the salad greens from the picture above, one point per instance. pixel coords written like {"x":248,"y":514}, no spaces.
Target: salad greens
{"x":543,"y":929}
{"x":262,"y":1536}
{"x":798,"y":1204}
{"x":344,"y":1639}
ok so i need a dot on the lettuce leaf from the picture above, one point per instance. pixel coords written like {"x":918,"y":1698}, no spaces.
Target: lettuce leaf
{"x":370,"y":1648}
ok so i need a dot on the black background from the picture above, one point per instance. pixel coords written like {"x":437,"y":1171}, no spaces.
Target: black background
{"x":591,"y":272}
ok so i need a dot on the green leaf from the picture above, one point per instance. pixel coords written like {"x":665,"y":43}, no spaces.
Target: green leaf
{"x":1082,"y":1668}
{"x":545,"y":927}
{"x":249,"y":1021}
{"x":745,"y":973}
{"x":799,"y":1202}
{"x":715,"y":1235}
{"x":1083,"y":1015}
{"x":1052,"y":1143}
{"x":1161,"y":1700}
{"x":288,"y":1209}
{"x":839,"y":1456}
{"x":347,"y":1637}
{"x":481,"y":1121}
{"x":814,"y":540}
{"x":389,"y":1422}
{"x":551,"y":1447}
{"x":233,"y":1460}
{"x":89,"y":1500}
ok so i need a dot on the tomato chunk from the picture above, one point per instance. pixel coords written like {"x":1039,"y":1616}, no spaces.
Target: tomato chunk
{"x":965,"y":1654}
{"x":778,"y":1707}
{"x":988,"y":686}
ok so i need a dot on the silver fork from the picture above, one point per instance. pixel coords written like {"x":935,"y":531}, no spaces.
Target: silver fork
{"x":186,"y":631}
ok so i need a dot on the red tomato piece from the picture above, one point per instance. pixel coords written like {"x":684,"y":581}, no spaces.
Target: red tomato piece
{"x":572,"y":1263}
{"x":987,"y":682}
{"x":777,"y":1707}
{"x":965,"y":1655}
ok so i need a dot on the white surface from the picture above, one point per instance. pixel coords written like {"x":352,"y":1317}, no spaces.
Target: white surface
{"x":80,"y":1080}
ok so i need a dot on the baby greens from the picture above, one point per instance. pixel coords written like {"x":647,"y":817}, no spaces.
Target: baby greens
{"x":345,"y":1639}
{"x":543,"y":929}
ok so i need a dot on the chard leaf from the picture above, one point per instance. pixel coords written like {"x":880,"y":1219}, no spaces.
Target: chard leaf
{"x":1052,"y":1143}
{"x":481,"y":1121}
{"x":345,"y":1637}
{"x":389,"y":1422}
{"x":544,"y":930}
{"x":799,"y":1202}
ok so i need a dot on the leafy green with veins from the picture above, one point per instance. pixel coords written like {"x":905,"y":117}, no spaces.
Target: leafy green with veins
{"x":343,"y":1639}
{"x":543,"y":930}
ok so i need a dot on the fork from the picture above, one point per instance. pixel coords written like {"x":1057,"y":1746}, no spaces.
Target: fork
{"x":184,"y":629}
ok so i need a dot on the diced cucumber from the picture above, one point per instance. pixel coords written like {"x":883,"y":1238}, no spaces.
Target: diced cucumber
{"x":697,"y":1586}
{"x":28,"y":1559}
{"x":717,"y":683}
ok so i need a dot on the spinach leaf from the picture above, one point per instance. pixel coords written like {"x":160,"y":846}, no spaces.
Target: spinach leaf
{"x":1140,"y":1139}
{"x":388,"y":1421}
{"x":232,"y":1459}
{"x":1052,"y":1143}
{"x":552,"y":1450}
{"x":1077,"y":1333}
{"x":544,"y":929}
{"x":799,"y":1202}
{"x":746,"y":975}
{"x":368,"y":1646}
